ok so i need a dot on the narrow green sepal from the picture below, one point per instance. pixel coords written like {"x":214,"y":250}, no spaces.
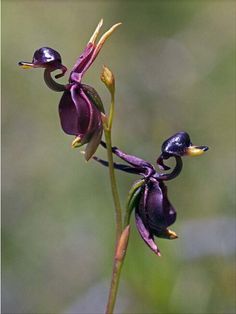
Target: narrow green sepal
{"x":133,"y":198}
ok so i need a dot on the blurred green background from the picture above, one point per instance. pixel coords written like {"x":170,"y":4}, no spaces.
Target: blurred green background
{"x":174,"y":63}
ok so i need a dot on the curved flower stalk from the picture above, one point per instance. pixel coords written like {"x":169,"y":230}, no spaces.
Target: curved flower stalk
{"x":153,"y":211}
{"x":80,"y":107}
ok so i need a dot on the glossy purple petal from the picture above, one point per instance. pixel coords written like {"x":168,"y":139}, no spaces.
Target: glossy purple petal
{"x":121,"y":167}
{"x":83,"y":59}
{"x":155,"y":208}
{"x":141,"y":166}
{"x":78,"y":115}
{"x":68,"y":114}
{"x":146,"y":235}
{"x":132,"y":160}
{"x":95,"y":121}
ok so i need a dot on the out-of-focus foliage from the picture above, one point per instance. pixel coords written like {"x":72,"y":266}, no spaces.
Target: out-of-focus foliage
{"x":174,"y":63}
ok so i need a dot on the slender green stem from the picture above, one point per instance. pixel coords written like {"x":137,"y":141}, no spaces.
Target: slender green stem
{"x":117,"y":266}
{"x":122,"y":236}
{"x":121,"y":246}
{"x":111,"y":113}
{"x":114,"y":185}
{"x":117,"y":263}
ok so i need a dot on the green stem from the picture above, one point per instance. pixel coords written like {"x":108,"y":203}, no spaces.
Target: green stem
{"x":111,"y":113}
{"x":121,"y":247}
{"x":117,"y":265}
{"x":114,"y":185}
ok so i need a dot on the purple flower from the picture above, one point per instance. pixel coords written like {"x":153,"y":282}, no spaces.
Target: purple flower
{"x":80,"y":107}
{"x":153,"y":211}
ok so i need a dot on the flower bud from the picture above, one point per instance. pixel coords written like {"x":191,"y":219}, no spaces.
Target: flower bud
{"x":122,"y":244}
{"x":108,"y":79}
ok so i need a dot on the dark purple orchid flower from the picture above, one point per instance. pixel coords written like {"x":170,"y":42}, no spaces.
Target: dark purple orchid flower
{"x":80,"y":107}
{"x":153,"y":211}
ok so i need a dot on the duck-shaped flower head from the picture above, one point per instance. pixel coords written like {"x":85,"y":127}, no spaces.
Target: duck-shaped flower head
{"x":80,"y":108}
{"x":154,"y":213}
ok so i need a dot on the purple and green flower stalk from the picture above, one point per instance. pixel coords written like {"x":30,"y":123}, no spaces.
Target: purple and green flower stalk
{"x":82,"y":115}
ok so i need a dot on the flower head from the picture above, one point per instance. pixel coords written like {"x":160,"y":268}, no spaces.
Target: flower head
{"x":80,"y":107}
{"x":148,"y":197}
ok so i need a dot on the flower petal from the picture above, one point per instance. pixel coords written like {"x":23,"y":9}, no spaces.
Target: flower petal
{"x":97,"y":48}
{"x":78,"y":115}
{"x":143,"y":167}
{"x":95,"y":120}
{"x":83,"y":59}
{"x":161,"y":213}
{"x":93,"y":143}
{"x":96,"y":32}
{"x":116,"y":165}
{"x":146,"y":235}
{"x":68,"y":114}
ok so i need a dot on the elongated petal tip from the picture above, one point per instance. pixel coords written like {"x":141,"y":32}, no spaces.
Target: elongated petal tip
{"x":105,"y":36}
{"x":146,"y":235}
{"x":96,"y":32}
{"x":93,"y":49}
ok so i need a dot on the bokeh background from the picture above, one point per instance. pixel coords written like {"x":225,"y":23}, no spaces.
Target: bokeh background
{"x":174,"y":63}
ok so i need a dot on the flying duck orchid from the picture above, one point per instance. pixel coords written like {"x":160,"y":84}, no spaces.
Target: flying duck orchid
{"x":148,"y":196}
{"x":80,"y":107}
